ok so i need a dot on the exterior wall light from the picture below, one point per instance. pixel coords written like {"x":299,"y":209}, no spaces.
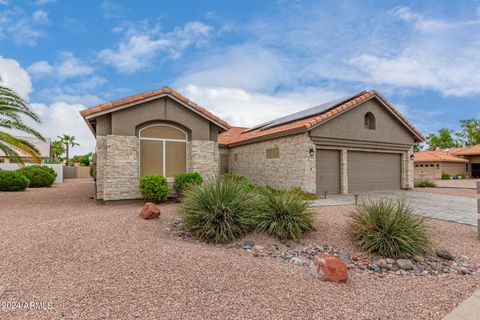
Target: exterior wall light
{"x":412,"y":156}
{"x":312,"y":152}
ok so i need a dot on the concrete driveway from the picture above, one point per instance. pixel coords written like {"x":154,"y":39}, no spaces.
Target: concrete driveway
{"x":437,"y":206}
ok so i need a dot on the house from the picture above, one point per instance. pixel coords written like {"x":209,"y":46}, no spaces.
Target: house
{"x":42,"y":146}
{"x":354,"y":144}
{"x":465,"y":162}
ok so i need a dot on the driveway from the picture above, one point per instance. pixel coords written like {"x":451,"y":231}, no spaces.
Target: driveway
{"x":460,"y":183}
{"x":437,"y":206}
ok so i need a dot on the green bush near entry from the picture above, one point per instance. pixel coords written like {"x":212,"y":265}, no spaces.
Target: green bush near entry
{"x":424,"y":183}
{"x":154,"y":188}
{"x":445,"y":176}
{"x":12,"y":181}
{"x":183,"y":180}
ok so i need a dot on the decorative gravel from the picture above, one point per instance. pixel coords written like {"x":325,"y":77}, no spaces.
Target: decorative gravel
{"x":103,"y":262}
{"x":470,"y":193}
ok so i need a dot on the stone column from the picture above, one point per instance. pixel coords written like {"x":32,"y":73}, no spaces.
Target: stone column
{"x":101,"y":158}
{"x":204,"y":158}
{"x":343,"y":171}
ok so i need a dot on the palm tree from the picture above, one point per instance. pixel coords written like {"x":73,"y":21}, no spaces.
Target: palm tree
{"x":69,"y":142}
{"x":56,"y":149}
{"x":12,"y":107}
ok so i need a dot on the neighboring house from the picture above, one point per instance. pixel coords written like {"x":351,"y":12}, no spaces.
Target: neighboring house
{"x":355,"y":144}
{"x":42,"y":146}
{"x":456,"y":162}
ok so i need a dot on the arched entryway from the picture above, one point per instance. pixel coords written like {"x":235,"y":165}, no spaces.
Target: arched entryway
{"x":163,"y":150}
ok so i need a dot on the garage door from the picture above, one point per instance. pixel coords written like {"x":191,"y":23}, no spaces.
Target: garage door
{"x":372,"y":171}
{"x":328,"y":171}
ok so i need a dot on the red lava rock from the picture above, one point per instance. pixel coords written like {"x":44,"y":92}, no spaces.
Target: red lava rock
{"x":149,"y":211}
{"x":330,"y":268}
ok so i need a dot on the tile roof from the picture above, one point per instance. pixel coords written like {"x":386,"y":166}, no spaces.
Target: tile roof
{"x":469,"y":151}
{"x":230,"y":135}
{"x":437,"y":156}
{"x":311,"y":121}
{"x":138,"y":98}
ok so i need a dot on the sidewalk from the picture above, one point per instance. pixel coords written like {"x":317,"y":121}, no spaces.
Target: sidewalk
{"x":467,"y":310}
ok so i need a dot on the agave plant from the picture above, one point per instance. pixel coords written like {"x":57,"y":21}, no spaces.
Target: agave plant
{"x":12,"y":107}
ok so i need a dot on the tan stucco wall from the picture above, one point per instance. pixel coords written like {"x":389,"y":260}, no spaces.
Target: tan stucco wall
{"x":125,"y":122}
{"x":350,"y":126}
{"x":294,"y":167}
{"x":452,"y":168}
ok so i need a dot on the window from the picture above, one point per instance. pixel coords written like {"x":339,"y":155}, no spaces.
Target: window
{"x":431,"y":165}
{"x":273,"y":153}
{"x":438,"y":165}
{"x":369,"y":121}
{"x":421,"y":165}
{"x":417,"y":165}
{"x":163,"y":150}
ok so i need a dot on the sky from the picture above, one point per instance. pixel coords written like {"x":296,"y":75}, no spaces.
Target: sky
{"x":246,"y":61}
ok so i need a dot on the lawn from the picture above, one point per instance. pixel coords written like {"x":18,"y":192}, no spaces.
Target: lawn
{"x":101,"y":261}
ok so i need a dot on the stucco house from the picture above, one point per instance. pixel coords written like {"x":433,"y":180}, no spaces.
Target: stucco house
{"x":42,"y":146}
{"x":430,"y":164}
{"x":354,"y":144}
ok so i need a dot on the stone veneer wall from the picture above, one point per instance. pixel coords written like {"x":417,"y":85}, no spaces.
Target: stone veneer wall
{"x":203,"y":157}
{"x":101,"y":158}
{"x":294,"y":167}
{"x":407,"y":170}
{"x":121,"y":172}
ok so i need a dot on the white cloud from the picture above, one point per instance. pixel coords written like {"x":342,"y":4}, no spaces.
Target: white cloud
{"x":40,"y":16}
{"x":21,"y":28}
{"x":64,"y":118}
{"x":68,"y":66}
{"x":141,"y":45}
{"x":13,"y":76}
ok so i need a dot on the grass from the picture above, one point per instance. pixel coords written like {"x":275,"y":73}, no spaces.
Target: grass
{"x":389,"y":228}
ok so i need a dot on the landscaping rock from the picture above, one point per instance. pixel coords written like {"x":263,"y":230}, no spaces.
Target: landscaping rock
{"x":149,"y":211}
{"x":390,"y":261}
{"x":444,"y":254}
{"x":248,"y":244}
{"x":404,"y":264}
{"x":346,"y":258}
{"x":298,"y":262}
{"x":418,"y":258}
{"x":329,"y":268}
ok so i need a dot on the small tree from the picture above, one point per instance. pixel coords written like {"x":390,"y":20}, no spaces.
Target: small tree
{"x":56,"y":149}
{"x":470,"y":133}
{"x":442,"y":140}
{"x":69,"y":142}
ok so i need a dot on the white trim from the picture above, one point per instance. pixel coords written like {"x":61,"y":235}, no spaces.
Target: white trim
{"x":159,"y":139}
{"x":161,"y":125}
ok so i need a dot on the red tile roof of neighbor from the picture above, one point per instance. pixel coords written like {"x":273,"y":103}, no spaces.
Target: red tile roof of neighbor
{"x":469,"y":151}
{"x":235,"y":135}
{"x":437,"y":156}
{"x":139,"y":98}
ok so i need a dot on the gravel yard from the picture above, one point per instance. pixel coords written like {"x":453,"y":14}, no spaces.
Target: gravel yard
{"x":103,"y":262}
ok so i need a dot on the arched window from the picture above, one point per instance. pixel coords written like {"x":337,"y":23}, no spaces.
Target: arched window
{"x":163,"y":150}
{"x":369,"y":121}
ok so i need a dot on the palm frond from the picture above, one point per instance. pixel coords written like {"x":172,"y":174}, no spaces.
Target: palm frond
{"x":21,"y":145}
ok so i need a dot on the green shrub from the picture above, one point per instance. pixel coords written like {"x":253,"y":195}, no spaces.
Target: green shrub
{"x":50,"y":170}
{"x":304,"y":195}
{"x":424,"y":183}
{"x":445,"y":176}
{"x":297,"y":191}
{"x":218,"y":210}
{"x":182,"y":180}
{"x":238,"y":178}
{"x":284,"y":214}
{"x":154,"y":188}
{"x":38,"y":176}
{"x":12,"y":181}
{"x":389,"y":228}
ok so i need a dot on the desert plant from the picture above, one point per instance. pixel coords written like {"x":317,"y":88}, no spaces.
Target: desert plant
{"x":50,"y":170}
{"x":424,"y":183}
{"x":12,"y":181}
{"x":283,"y":214}
{"x":238,"y":178}
{"x":304,"y":195}
{"x":38,"y":176}
{"x":218,"y":210}
{"x":445,"y":176}
{"x":389,"y":228}
{"x":154,"y":188}
{"x":182,"y":180}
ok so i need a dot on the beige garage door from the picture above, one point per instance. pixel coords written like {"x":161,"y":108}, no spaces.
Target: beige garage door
{"x":328,"y":171}
{"x":372,"y":171}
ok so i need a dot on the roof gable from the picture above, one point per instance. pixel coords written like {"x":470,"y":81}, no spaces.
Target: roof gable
{"x":311,"y":118}
{"x":140,"y":98}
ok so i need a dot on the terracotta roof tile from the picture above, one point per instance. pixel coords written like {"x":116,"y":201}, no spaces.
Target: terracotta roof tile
{"x":468,"y":151}
{"x":437,"y":156}
{"x":307,"y":123}
{"x":148,"y":94}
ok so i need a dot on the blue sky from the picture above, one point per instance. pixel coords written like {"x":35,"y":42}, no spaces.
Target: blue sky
{"x":247,"y":61}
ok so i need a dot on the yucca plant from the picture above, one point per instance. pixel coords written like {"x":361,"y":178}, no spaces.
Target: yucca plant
{"x":389,"y":228}
{"x":283,"y":214}
{"x":218,"y":210}
{"x":425,"y":183}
